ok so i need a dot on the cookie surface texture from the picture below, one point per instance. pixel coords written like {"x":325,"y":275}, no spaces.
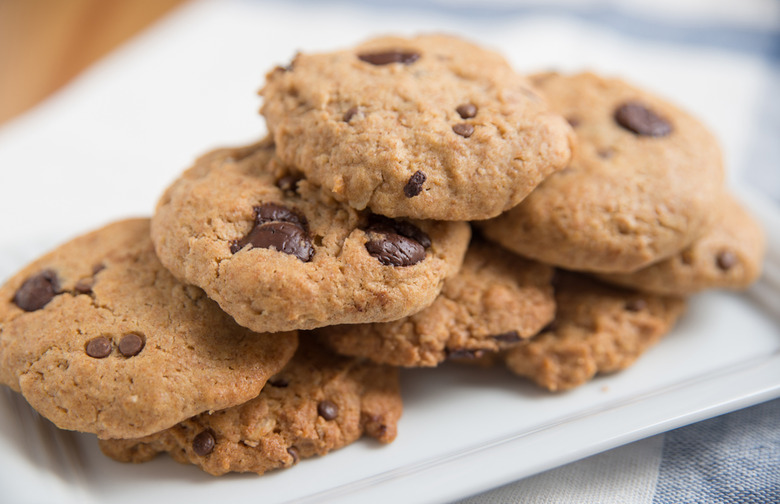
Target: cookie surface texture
{"x":643,"y":184}
{"x":597,"y":329}
{"x":277,"y":254}
{"x":318,"y":403}
{"x":497,"y":300}
{"x":431,"y":127}
{"x":100,"y":338}
{"x":728,"y":256}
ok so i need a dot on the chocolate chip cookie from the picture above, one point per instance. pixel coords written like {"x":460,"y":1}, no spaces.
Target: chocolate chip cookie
{"x":497,"y":300}
{"x":644,"y":183}
{"x":728,"y":256}
{"x":431,"y":127}
{"x":100,"y":338}
{"x":597,"y":329}
{"x":318,"y":403}
{"x":277,"y":253}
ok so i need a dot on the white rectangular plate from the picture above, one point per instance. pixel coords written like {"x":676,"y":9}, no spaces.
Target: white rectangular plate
{"x":463,"y":430}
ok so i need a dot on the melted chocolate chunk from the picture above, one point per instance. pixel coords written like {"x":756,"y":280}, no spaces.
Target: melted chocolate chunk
{"x":37,"y":291}
{"x":204,"y":443}
{"x":395,"y":250}
{"x":414,"y":186}
{"x":349,"y":114}
{"x":131,"y":344}
{"x":382,"y":224}
{"x":283,"y":237}
{"x":639,"y":119}
{"x":293,"y":451}
{"x":636,"y":305}
{"x":327,"y":410}
{"x":273,"y":212}
{"x":507,"y":337}
{"x":388,"y":57}
{"x":467,"y":110}
{"x":99,"y":347}
{"x":463,"y":129}
{"x":279,"y":228}
{"x":726,"y":260}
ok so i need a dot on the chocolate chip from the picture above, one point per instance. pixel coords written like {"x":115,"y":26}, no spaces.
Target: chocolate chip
{"x":37,"y":291}
{"x":280,"y":228}
{"x":463,"y":353}
{"x":467,"y":110}
{"x":392,"y":249}
{"x":552,"y":326}
{"x":382,"y":224}
{"x":293,"y":451}
{"x":131,"y":344}
{"x":414,"y":186}
{"x":99,"y":347}
{"x":463,"y":129}
{"x":349,"y":114}
{"x":388,"y":57}
{"x":278,"y":382}
{"x":507,"y":337}
{"x":639,"y":119}
{"x":281,"y":236}
{"x":327,"y":410}
{"x":204,"y":443}
{"x":273,"y":212}
{"x":726,"y":260}
{"x":636,"y":305}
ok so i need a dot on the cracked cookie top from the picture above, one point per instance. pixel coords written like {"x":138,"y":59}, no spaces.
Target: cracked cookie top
{"x":643,"y":184}
{"x":431,"y":127}
{"x":496,"y":301}
{"x":100,"y":338}
{"x":318,"y":403}
{"x":277,"y":253}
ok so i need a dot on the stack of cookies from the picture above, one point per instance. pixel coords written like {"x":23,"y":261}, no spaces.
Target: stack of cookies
{"x":416,"y":201}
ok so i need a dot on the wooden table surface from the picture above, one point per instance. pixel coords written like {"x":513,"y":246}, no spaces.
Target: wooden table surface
{"x":45,"y":43}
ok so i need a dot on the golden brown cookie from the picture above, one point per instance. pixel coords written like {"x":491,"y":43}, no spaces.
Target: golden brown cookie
{"x":430,"y":127}
{"x":728,"y":256}
{"x":643,"y":184}
{"x":496,"y":300}
{"x":277,"y":254}
{"x":100,"y":338}
{"x":597,"y":329}
{"x":318,"y":403}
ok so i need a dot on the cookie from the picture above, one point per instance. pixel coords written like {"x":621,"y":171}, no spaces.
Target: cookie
{"x":278,"y":254}
{"x":728,"y":256}
{"x":643,"y":184}
{"x":597,"y":329}
{"x":318,"y":403}
{"x":430,"y":127}
{"x":100,"y":338}
{"x":497,"y":300}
